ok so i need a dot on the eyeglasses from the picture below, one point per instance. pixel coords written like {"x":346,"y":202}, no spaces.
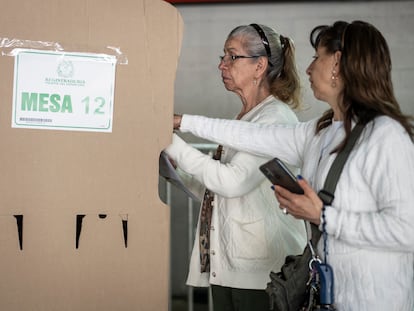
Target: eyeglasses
{"x":264,"y":41}
{"x":227,"y":58}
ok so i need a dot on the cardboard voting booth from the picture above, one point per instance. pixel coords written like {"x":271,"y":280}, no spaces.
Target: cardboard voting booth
{"x":86,"y":95}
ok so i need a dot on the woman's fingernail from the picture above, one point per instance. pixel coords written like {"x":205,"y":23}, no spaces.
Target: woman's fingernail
{"x":300,"y":177}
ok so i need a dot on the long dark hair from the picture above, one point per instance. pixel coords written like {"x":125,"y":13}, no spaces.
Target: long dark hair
{"x":366,"y":72}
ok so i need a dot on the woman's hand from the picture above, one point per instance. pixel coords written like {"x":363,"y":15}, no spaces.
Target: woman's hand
{"x":306,"y":206}
{"x":177,"y":121}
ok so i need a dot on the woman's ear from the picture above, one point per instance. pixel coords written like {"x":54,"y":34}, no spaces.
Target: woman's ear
{"x":262,"y":64}
{"x":337,"y":59}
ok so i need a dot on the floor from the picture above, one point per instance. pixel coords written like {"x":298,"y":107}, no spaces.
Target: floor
{"x":200,"y":301}
{"x":178,"y":304}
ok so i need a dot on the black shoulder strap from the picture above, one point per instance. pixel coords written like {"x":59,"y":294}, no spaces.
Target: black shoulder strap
{"x":327,"y":193}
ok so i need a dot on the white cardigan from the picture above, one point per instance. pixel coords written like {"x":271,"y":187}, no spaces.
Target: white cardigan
{"x":370,"y":224}
{"x":250,"y":236}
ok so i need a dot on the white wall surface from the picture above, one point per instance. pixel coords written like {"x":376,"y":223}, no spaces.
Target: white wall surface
{"x":199,"y":89}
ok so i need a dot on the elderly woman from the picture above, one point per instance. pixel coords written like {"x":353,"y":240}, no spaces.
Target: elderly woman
{"x":248,"y":235}
{"x":369,"y":224}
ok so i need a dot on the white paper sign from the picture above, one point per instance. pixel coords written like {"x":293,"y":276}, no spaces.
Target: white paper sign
{"x":63,"y":91}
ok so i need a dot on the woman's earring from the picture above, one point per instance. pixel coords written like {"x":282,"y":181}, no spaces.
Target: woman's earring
{"x":255,"y":81}
{"x":334,"y":77}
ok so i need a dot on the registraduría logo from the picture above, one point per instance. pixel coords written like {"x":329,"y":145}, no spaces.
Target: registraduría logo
{"x":65,"y":69}
{"x":65,"y":75}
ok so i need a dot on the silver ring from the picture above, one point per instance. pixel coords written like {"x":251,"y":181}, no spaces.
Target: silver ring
{"x":285,"y":211}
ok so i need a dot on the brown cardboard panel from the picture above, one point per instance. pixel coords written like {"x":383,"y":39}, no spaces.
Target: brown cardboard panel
{"x":51,"y":176}
{"x":101,"y":274}
{"x":9,"y":239}
{"x":143,"y":104}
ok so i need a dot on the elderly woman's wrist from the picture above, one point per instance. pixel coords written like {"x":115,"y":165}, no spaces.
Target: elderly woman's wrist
{"x":177,"y":121}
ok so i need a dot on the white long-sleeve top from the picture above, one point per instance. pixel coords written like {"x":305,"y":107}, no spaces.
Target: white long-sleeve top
{"x":370,"y":224}
{"x":249,"y":235}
